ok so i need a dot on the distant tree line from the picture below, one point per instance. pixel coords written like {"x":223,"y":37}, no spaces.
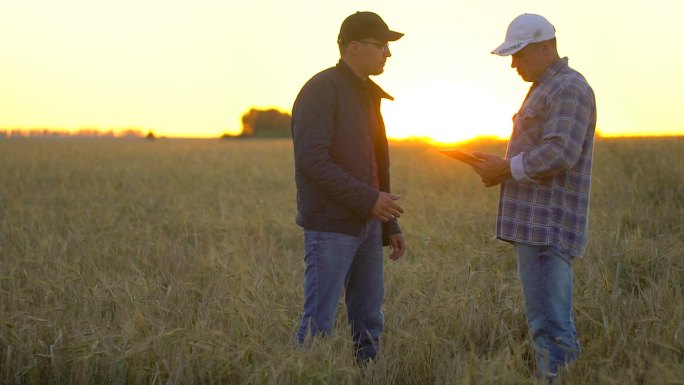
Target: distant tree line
{"x":265,"y":124}
{"x":256,"y":123}
{"x":83,"y":133}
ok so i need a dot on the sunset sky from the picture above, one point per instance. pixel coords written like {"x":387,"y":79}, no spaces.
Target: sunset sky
{"x":186,"y":68}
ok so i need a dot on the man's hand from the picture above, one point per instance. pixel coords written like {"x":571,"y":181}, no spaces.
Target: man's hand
{"x":385,"y":208}
{"x":493,"y":169}
{"x":398,"y":245}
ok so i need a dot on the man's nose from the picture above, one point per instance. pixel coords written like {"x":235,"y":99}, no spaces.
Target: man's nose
{"x":387,"y":52}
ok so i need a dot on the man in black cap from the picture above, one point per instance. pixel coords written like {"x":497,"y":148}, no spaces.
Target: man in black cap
{"x":342,"y":174}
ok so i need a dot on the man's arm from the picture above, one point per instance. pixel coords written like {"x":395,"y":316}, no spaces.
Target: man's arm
{"x":569,"y":116}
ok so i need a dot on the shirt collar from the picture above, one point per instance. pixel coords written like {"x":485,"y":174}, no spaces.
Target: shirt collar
{"x":361,"y":84}
{"x":552,"y":71}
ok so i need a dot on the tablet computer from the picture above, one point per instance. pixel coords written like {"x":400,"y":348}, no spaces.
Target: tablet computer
{"x":462,"y":156}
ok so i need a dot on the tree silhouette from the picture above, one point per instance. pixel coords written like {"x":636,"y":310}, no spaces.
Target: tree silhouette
{"x":266,"y":124}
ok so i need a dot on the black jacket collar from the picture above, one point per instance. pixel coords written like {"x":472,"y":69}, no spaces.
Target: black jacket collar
{"x":361,"y":84}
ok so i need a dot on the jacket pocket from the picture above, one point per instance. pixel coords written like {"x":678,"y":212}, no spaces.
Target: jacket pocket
{"x":335,"y":210}
{"x":310,"y":203}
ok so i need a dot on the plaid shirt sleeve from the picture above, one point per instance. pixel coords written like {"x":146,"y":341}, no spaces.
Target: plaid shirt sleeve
{"x":569,"y":113}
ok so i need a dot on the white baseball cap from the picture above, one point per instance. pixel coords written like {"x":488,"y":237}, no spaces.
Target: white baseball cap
{"x":523,"y":30}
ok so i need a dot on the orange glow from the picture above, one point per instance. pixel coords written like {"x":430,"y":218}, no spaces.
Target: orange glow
{"x":616,"y":133}
{"x":446,"y":114}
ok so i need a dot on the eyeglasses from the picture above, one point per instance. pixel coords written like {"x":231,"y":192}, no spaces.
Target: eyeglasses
{"x":385,"y":46}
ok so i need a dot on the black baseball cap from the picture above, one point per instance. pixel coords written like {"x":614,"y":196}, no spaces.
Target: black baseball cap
{"x":365,"y":24}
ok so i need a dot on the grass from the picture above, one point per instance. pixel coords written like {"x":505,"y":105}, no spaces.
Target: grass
{"x":178,"y":262}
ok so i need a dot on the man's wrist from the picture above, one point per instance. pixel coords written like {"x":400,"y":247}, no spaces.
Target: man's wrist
{"x":517,"y":169}
{"x":507,"y":173}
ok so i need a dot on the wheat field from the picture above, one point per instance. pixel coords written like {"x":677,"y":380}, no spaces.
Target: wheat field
{"x":178,"y":262}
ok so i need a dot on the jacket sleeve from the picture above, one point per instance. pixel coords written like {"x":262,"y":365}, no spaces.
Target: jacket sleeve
{"x":313,"y":122}
{"x":388,"y":228}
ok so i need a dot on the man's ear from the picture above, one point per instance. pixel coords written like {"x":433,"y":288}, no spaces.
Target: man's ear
{"x":547,"y":47}
{"x":353,"y":48}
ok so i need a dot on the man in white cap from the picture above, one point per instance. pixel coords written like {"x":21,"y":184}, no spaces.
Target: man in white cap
{"x":545,"y":181}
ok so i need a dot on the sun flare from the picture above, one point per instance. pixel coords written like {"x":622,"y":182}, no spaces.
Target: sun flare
{"x":445,"y":114}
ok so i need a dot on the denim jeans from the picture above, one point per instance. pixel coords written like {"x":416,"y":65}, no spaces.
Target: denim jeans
{"x":546,"y":277}
{"x":337,"y":262}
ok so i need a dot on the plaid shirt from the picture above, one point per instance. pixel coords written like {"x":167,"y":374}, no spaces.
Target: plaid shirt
{"x":550,"y":151}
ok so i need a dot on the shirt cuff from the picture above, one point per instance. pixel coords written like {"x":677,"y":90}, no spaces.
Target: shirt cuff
{"x":518,"y":170}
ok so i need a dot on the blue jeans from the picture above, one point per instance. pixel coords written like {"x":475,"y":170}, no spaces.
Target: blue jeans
{"x":546,"y":277}
{"x":336,"y":261}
